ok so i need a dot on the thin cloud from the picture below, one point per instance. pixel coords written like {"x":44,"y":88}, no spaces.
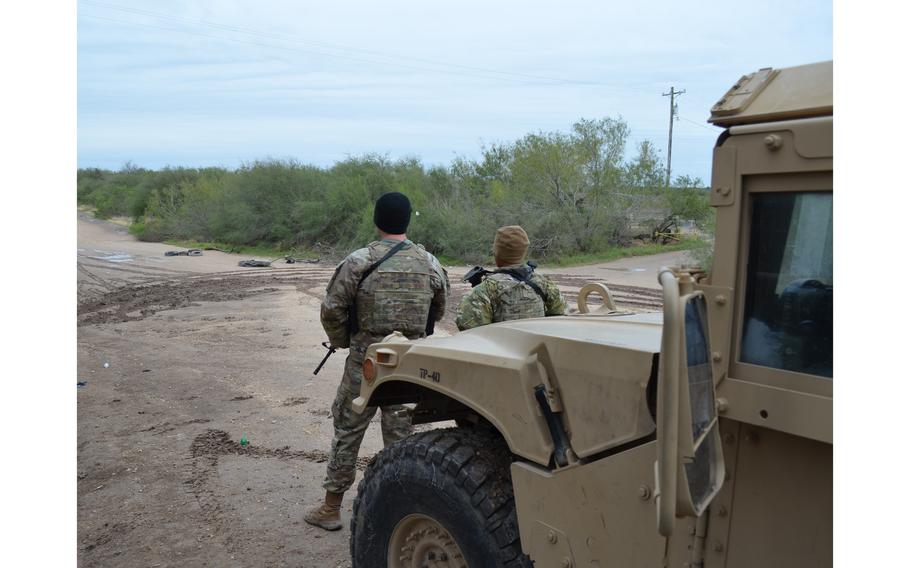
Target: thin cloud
{"x":222,"y":82}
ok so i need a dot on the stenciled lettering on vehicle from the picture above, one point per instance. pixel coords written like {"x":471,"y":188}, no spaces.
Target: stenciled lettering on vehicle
{"x":434,"y":376}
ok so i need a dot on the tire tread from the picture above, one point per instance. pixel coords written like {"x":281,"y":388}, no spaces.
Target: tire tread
{"x":474,"y":462}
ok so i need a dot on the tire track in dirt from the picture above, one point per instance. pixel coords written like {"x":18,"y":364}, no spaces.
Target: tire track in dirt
{"x":94,"y":279}
{"x":143,"y":298}
{"x":635,"y":297}
{"x":140,"y":300}
{"x":144,"y":270}
{"x":98,"y":279}
{"x":204,"y":454}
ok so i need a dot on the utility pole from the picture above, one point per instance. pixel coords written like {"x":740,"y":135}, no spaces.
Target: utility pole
{"x":672,"y":94}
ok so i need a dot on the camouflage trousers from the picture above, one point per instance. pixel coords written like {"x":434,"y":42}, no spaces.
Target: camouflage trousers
{"x":350,"y":428}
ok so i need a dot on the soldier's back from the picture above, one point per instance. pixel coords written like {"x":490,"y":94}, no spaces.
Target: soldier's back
{"x":514,"y":299}
{"x":397,"y":295}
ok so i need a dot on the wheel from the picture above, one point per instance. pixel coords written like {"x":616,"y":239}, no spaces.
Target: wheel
{"x":441,"y":498}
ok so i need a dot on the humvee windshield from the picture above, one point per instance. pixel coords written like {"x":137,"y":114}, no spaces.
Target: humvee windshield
{"x":789,"y":283}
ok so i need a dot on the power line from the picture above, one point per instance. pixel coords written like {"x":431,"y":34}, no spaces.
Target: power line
{"x":624,"y":88}
{"x":296,"y":50}
{"x":296,"y":39}
{"x":699,"y":124}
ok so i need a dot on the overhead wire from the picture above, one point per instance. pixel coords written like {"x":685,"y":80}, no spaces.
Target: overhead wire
{"x":269,"y":40}
{"x":488,"y":72}
{"x":714,"y":129}
{"x":296,"y":39}
{"x":286,"y":48}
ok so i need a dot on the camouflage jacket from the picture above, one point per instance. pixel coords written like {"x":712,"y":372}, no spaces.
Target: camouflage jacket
{"x":501,"y":297}
{"x":400,"y":295}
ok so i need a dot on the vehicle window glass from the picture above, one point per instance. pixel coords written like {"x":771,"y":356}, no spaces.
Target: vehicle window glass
{"x":789,"y":283}
{"x":701,"y":382}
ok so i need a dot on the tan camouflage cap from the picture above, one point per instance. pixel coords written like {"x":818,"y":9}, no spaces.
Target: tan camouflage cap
{"x":510,"y":245}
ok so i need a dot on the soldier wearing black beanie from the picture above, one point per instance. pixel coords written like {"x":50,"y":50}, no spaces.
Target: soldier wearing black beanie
{"x":391,"y":285}
{"x":392,"y":213}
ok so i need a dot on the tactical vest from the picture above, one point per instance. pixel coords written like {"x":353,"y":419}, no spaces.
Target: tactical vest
{"x":397,"y":295}
{"x":516,"y":300}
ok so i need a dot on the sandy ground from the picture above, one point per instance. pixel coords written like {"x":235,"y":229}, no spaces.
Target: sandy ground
{"x":182,"y":357}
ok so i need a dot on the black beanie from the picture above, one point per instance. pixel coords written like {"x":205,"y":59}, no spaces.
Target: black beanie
{"x":392,"y":213}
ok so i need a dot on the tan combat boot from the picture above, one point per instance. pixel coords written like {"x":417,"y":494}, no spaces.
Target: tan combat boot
{"x":328,"y":514}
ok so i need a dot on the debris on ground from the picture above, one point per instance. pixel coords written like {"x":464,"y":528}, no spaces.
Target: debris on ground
{"x":232,"y":249}
{"x":256,"y":263}
{"x":287,"y":260}
{"x":188,"y":252}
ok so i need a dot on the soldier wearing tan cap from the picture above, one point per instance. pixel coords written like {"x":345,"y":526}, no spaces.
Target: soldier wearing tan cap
{"x":512,"y":291}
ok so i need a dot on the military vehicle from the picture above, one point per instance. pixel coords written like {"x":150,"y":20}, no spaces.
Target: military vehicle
{"x":696,"y":437}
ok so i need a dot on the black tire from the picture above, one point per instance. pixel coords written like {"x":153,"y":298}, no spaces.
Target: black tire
{"x":460,"y":478}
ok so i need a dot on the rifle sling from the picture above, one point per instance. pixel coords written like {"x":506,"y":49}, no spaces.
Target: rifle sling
{"x":353,"y":324}
{"x":387,"y":256}
{"x":525,"y":278}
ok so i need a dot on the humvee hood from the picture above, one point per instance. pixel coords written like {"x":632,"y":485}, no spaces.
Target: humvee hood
{"x":639,"y":332}
{"x":634,"y":332}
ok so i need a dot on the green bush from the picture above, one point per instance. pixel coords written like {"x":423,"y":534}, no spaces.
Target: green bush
{"x":574,"y":192}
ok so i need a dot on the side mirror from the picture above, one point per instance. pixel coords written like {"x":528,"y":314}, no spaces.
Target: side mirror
{"x":690,"y":466}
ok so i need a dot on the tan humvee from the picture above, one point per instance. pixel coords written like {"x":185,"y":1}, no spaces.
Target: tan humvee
{"x":697,"y":437}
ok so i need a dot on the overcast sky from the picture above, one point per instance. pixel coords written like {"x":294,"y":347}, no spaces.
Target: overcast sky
{"x":223,"y":82}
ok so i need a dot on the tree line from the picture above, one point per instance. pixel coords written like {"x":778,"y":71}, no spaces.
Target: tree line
{"x":574,"y":192}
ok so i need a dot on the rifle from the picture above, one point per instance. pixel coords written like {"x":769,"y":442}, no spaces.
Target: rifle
{"x":476,"y":275}
{"x":328,"y":354}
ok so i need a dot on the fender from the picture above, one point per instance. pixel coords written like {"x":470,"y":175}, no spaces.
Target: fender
{"x":606,"y":365}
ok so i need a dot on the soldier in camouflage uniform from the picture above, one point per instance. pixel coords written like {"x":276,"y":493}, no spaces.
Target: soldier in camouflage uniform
{"x":503,"y":296}
{"x":404,"y":293}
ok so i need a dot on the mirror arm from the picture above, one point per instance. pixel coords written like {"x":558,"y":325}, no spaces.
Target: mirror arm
{"x":668,"y":405}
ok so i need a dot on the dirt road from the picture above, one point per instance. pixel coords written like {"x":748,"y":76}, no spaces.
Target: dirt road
{"x":182,"y":357}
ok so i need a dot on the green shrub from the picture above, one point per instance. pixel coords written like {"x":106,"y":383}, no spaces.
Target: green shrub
{"x":574,"y":192}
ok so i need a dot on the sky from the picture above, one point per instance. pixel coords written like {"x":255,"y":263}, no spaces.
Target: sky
{"x":226,"y":82}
